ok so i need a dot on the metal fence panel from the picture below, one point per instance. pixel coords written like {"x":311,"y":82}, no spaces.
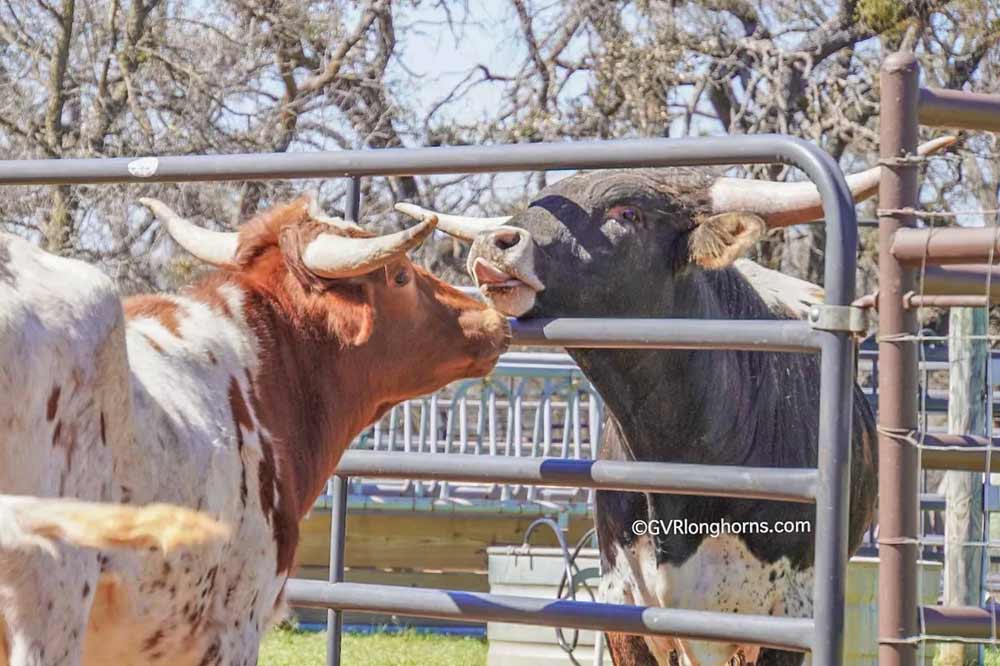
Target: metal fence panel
{"x":826,"y":641}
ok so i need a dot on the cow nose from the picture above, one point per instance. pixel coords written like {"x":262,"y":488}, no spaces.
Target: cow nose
{"x":504,"y":239}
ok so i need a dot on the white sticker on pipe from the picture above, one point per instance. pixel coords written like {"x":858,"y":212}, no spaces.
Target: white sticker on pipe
{"x":144,"y":167}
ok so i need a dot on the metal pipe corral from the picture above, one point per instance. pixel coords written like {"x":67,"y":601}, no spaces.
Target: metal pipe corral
{"x":824,"y":635}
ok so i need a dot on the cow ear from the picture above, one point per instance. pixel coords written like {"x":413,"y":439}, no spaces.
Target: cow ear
{"x":719,"y":240}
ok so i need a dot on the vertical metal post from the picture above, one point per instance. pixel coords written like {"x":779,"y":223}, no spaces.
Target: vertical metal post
{"x":338,"y":495}
{"x":898,"y":473}
{"x":833,"y":497}
{"x":835,"y":414}
{"x":338,"y":534}
{"x":352,"y":208}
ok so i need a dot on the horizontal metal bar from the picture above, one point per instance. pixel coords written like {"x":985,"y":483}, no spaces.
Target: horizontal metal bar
{"x":609,"y":333}
{"x":961,"y":279}
{"x":458,"y":506}
{"x":625,"y":153}
{"x":946,"y":245}
{"x":777,"y":632}
{"x":912,"y":301}
{"x":958,"y":452}
{"x":536,"y":364}
{"x":862,"y":222}
{"x":932,"y":502}
{"x":866,"y":301}
{"x":838,"y":208}
{"x":961,"y":622}
{"x":541,"y":358}
{"x":958,"y":108}
{"x":934,"y":353}
{"x":786,"y":484}
{"x":377,"y":503}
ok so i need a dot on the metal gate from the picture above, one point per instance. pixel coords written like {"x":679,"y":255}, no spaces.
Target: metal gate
{"x":826,"y":486}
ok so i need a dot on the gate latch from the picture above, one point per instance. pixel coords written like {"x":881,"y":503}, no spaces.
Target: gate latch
{"x":837,"y":318}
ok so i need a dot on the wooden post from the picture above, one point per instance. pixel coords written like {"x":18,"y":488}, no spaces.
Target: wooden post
{"x":963,"y":569}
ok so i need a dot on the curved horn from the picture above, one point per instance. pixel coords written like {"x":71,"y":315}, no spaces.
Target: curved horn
{"x":333,"y":256}
{"x":217,"y":248}
{"x":460,"y":226}
{"x":785,"y":204}
{"x":316,"y":213}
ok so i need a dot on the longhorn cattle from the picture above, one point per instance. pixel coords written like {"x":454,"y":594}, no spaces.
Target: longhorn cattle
{"x":235,"y":397}
{"x":665,"y":243}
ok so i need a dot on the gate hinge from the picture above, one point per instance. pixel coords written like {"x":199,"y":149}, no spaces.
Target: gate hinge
{"x":838,"y":318}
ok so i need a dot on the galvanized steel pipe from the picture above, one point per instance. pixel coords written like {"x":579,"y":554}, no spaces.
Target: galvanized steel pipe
{"x":778,"y":632}
{"x":609,"y":333}
{"x":786,"y":484}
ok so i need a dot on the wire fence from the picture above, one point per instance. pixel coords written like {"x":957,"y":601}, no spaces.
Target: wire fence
{"x":927,"y":260}
{"x":987,"y":546}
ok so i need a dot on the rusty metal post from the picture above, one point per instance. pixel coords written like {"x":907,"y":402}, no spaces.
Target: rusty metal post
{"x":898,"y":473}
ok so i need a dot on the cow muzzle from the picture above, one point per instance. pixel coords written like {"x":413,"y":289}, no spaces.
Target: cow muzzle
{"x":502,"y":262}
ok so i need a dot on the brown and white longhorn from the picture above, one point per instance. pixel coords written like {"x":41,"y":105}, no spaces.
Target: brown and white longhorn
{"x":235,"y":397}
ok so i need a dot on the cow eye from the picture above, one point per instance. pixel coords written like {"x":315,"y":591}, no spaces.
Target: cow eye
{"x":401,"y":278}
{"x":626,"y":214}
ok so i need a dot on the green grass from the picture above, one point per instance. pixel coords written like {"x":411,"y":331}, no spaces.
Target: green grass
{"x":293,"y":647}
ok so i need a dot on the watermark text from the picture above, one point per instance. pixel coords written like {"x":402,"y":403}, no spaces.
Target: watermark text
{"x":715,"y":528}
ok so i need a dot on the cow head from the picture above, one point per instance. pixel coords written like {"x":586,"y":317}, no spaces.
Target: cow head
{"x":334,"y":287}
{"x":595,"y":243}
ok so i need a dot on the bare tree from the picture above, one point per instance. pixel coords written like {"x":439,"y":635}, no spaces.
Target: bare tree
{"x":673,"y":68}
{"x":132,"y":77}
{"x":116,"y":78}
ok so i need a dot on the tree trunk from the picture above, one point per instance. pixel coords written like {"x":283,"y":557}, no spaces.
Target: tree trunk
{"x":59,"y":227}
{"x":963,"y":566}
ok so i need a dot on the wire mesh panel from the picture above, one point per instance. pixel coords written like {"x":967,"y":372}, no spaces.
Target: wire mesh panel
{"x":965,"y":537}
{"x":928,"y":261}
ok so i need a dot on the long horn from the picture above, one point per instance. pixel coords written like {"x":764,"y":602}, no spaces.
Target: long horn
{"x":460,"y":226}
{"x":785,"y":204}
{"x":217,"y":248}
{"x":317,"y":213}
{"x":334,"y":256}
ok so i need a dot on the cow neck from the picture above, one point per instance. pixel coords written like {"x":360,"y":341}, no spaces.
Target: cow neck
{"x":679,"y":405}
{"x":311,"y":392}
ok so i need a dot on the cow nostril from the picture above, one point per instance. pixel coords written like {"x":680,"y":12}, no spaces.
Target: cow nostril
{"x":505,"y":239}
